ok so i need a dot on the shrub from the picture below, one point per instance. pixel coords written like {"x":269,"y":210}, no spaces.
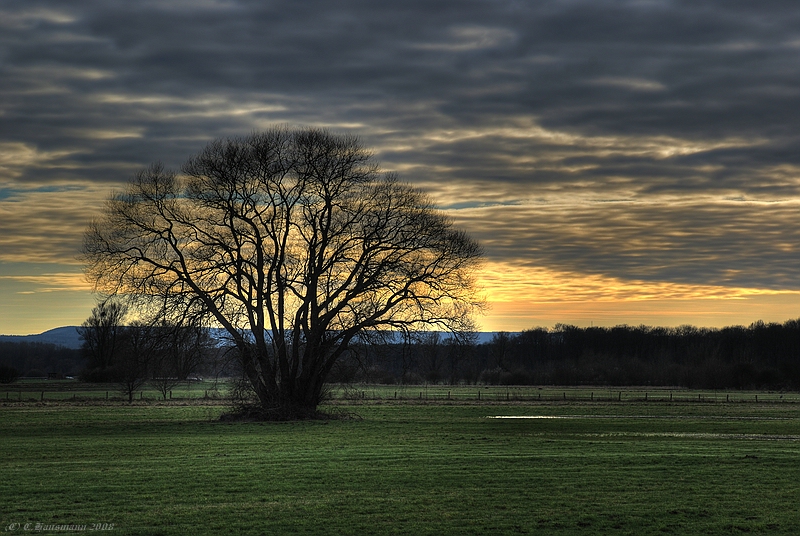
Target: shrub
{"x":8,"y":374}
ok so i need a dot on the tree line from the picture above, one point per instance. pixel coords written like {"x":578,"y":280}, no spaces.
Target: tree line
{"x":36,"y":359}
{"x":762,"y":355}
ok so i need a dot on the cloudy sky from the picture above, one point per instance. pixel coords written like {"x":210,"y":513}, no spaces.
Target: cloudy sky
{"x":621,"y":161}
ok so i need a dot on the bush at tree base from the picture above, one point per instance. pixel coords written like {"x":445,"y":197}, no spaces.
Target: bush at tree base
{"x":8,"y":374}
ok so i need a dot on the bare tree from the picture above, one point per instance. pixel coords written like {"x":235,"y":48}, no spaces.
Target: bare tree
{"x":132,"y":366}
{"x":296,"y":244}
{"x":431,"y":349}
{"x":180,"y":351}
{"x":459,"y":349}
{"x":101,"y":335}
{"x":8,"y":374}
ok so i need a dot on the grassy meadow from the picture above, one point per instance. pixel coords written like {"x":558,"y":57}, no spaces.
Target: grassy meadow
{"x":406,"y":466}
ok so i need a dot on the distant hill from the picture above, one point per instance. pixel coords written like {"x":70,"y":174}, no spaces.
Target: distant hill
{"x":66,"y":336}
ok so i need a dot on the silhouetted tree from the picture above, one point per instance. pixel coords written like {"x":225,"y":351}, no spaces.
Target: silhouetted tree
{"x":499,"y":349}
{"x":296,"y":244}
{"x":459,"y":349}
{"x":132,"y":365}
{"x":180,"y":350}
{"x":100,"y":334}
{"x":432,"y":354}
{"x":8,"y":374}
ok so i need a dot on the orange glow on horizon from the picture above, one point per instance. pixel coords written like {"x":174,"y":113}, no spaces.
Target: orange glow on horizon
{"x":525,"y":297}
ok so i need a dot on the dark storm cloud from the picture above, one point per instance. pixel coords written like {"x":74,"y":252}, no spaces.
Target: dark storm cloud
{"x":664,"y":110}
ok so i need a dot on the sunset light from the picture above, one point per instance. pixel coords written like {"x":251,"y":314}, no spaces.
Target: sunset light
{"x":618,"y":163}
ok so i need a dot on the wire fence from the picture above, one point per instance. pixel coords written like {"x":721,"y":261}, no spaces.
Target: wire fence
{"x":66,"y":390}
{"x":555,"y":394}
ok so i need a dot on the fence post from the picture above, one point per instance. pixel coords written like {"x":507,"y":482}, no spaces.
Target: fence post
{"x":645,"y":395}
{"x":42,"y":395}
{"x":619,"y":398}
{"x":592,"y":397}
{"x":479,"y":394}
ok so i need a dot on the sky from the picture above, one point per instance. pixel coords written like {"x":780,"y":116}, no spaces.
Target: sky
{"x":622,"y":162}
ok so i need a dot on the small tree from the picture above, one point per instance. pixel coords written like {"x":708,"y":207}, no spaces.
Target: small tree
{"x":8,"y":374}
{"x":459,"y":349}
{"x":431,"y":350}
{"x":132,"y":366}
{"x":101,"y":335}
{"x":295,"y":244}
{"x":180,"y":351}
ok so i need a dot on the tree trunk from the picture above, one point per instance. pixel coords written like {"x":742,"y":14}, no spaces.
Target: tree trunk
{"x":287,"y":399}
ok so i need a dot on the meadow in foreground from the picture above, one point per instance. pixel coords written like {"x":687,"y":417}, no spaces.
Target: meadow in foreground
{"x":403,"y":467}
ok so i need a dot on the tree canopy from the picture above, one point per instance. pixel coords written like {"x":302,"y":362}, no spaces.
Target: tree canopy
{"x":296,"y":243}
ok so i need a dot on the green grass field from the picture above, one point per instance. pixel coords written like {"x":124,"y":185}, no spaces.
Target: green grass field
{"x":406,"y":467}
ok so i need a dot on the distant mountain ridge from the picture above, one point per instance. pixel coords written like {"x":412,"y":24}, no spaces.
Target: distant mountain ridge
{"x":68,"y":337}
